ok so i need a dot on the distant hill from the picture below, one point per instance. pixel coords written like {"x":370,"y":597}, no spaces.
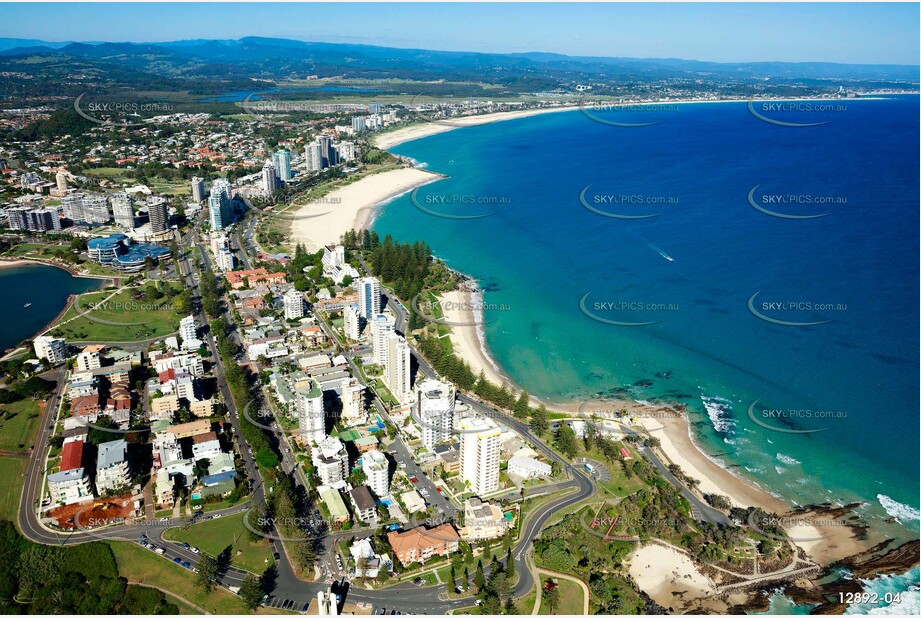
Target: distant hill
{"x":6,"y":44}
{"x":205,"y":67}
{"x":293,"y":55}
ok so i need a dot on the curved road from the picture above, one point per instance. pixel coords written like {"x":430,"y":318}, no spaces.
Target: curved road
{"x":405,"y":596}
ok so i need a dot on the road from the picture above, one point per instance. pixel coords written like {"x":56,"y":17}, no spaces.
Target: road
{"x":406,"y":596}
{"x":700,"y":510}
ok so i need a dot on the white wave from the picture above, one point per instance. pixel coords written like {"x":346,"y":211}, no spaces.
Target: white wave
{"x":906,"y":586}
{"x":900,"y":511}
{"x":780,"y":469}
{"x":720,"y":412}
{"x":787,"y":460}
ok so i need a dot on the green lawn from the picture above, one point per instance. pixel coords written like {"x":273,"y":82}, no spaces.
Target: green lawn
{"x":107,"y":172}
{"x":137,"y":564}
{"x":131,"y":320}
{"x":214,"y":535}
{"x":18,"y":425}
{"x":27,"y":248}
{"x":571,"y":598}
{"x":12,"y":472}
{"x":526,"y":603}
{"x":619,"y":485}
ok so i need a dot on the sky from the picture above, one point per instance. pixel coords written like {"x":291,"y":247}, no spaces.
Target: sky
{"x":864,"y":33}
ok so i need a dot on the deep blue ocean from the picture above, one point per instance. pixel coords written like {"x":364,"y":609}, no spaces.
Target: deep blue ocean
{"x":46,"y":287}
{"x":693,"y":270}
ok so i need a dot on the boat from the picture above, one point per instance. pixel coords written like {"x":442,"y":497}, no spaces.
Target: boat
{"x":27,"y":305}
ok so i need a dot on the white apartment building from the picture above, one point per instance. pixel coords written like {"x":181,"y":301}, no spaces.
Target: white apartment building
{"x":331,"y":460}
{"x":269,"y":177}
{"x":479,"y":452}
{"x":225,"y":259}
{"x":353,"y":407}
{"x":188,"y":332}
{"x":313,"y":157}
{"x":351,"y":323}
{"x":198,"y":189}
{"x":369,"y":297}
{"x":122,"y":211}
{"x":334,"y":265}
{"x":89,"y":359}
{"x":69,"y":487}
{"x":294,"y":304}
{"x":435,"y":411}
{"x":377,"y":472}
{"x":96,"y":209}
{"x":51,"y":349}
{"x":382,"y":326}
{"x":345,"y":150}
{"x":528,"y":468}
{"x":310,"y":412}
{"x":397,"y":376}
{"x":112,"y":466}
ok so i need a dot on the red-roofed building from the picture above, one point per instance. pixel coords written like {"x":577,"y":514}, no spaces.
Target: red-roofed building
{"x":239,"y":278}
{"x":168,"y":375}
{"x":72,"y":456}
{"x":85,"y":406}
{"x":625,"y":453}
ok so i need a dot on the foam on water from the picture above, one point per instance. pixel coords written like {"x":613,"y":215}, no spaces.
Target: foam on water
{"x":902,"y":512}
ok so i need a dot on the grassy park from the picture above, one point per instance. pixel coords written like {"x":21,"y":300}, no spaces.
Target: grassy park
{"x":571,"y":599}
{"x":120,"y":318}
{"x":214,"y":535}
{"x":137,"y":564}
{"x":18,"y":424}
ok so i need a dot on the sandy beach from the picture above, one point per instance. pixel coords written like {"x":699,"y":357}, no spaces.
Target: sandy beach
{"x":407,"y":134}
{"x":669,"y":576}
{"x":823,"y":544}
{"x":458,"y":309}
{"x":352,"y":207}
{"x":418,"y":131}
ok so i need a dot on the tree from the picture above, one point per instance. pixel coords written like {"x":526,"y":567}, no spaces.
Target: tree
{"x":552,"y":598}
{"x":479,"y":579}
{"x":207,"y":573}
{"x":510,"y":565}
{"x":565,"y":440}
{"x":539,"y":423}
{"x":251,"y":592}
{"x":521,"y":407}
{"x":98,"y":432}
{"x":201,"y":467}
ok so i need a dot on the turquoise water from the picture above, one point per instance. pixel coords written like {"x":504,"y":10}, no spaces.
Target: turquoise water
{"x":46,"y":287}
{"x":539,"y":251}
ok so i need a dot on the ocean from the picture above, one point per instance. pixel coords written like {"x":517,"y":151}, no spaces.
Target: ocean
{"x":46,"y":287}
{"x":765,"y":276}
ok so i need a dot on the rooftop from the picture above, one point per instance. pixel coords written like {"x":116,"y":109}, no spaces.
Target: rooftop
{"x":111,"y":453}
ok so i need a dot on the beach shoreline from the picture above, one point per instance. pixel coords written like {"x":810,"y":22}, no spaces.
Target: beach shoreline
{"x":399,"y":136}
{"x":10,"y":262}
{"x":388,"y":140}
{"x":824,"y":544}
{"x":354,"y":206}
